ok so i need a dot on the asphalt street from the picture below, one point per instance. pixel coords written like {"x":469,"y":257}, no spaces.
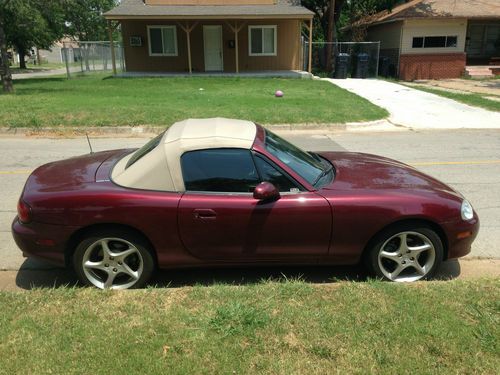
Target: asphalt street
{"x":468,"y":160}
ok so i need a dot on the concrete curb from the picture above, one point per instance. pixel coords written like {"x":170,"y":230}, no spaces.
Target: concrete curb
{"x":144,"y":130}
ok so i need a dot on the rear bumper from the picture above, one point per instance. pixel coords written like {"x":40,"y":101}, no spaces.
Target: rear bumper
{"x":461,"y":234}
{"x":43,"y":241}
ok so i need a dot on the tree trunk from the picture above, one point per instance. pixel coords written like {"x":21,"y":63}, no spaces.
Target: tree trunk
{"x":329,"y":36}
{"x":22,"y":58}
{"x":4,"y":66}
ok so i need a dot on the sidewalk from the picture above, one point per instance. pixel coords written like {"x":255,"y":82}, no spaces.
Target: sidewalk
{"x":417,"y":109}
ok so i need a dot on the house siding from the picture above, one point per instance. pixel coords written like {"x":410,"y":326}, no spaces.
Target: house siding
{"x":137,"y":59}
{"x":389,"y":36}
{"x":415,"y":28}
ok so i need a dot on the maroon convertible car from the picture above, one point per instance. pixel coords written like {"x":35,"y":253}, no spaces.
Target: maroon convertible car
{"x":220,"y":192}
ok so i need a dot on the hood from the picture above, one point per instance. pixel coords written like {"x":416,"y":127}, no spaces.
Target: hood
{"x":68,"y":174}
{"x":371,"y":172}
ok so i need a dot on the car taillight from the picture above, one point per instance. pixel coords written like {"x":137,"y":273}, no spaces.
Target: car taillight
{"x":23,"y":211}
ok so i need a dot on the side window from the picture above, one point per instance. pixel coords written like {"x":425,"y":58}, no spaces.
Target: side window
{"x":219,"y":170}
{"x":270,"y":174}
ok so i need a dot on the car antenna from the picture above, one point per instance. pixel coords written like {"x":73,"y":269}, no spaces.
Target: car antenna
{"x":88,"y":140}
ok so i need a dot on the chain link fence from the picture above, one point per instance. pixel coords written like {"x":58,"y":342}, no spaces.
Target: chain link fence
{"x":85,"y":57}
{"x":348,"y":59}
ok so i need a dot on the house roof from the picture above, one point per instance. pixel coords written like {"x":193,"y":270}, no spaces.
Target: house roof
{"x":419,"y":9}
{"x":160,"y":169}
{"x":136,"y":9}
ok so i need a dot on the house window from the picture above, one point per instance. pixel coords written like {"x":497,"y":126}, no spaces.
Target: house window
{"x":162,"y":40}
{"x":449,"y":41}
{"x":262,"y":40}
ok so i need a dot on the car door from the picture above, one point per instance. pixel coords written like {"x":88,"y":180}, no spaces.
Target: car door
{"x":219,"y":218}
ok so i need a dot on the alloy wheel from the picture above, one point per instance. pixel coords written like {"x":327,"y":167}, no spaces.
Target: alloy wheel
{"x":112,"y":263}
{"x":406,"y":256}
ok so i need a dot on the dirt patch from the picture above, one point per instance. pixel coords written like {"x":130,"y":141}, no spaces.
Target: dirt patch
{"x":487,"y":86}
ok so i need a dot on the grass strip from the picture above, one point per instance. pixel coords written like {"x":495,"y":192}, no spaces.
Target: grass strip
{"x":475,"y":100}
{"x":272,"y":327}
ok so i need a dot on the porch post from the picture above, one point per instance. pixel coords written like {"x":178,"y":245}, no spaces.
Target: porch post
{"x":112,"y":46}
{"x":187,"y":29}
{"x":309,"y":63}
{"x":236,"y":29}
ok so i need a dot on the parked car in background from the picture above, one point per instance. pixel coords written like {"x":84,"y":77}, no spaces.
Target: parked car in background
{"x":221,"y":192}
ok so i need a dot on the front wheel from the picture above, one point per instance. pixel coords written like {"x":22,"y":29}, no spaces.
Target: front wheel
{"x":406,"y":254}
{"x":114,"y":260}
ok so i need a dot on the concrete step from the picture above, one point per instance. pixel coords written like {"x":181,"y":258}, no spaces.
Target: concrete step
{"x":478,"y":71}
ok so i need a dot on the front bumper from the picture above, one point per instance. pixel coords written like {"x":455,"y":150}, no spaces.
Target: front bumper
{"x":461,"y":234}
{"x":43,"y":241}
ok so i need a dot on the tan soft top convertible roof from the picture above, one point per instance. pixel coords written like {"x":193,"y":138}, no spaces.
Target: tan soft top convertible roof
{"x":160,"y":169}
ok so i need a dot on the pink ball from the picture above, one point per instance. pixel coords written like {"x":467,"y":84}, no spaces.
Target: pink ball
{"x":278,"y":94}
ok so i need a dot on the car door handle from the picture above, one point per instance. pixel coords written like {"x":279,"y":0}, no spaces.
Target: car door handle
{"x":204,"y":214}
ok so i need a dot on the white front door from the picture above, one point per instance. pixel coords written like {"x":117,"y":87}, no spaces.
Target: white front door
{"x":212,"y":42}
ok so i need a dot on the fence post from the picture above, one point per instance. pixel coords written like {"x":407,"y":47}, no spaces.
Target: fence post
{"x":378,"y":57}
{"x":66,"y":60}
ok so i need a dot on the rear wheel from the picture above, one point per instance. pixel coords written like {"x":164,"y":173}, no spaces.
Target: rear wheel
{"x":113,"y":260}
{"x":405,"y":254}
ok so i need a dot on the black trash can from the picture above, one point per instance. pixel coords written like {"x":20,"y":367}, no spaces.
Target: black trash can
{"x":383,"y":66}
{"x":342,"y":62}
{"x":362,"y":65}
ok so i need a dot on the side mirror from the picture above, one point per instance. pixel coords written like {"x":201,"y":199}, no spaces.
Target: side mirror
{"x":265,"y":191}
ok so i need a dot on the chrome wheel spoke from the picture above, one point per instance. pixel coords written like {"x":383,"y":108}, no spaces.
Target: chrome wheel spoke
{"x":106,"y":252}
{"x":394,"y":274}
{"x":95,"y":265}
{"x":392,"y":256}
{"x":125,"y":253}
{"x":128,"y":271}
{"x":109,"y":281}
{"x":420,"y":270}
{"x":417,"y":250}
{"x":403,"y":246}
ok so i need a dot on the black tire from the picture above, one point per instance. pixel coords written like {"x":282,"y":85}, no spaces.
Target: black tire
{"x":141,"y":261}
{"x":380,"y":266}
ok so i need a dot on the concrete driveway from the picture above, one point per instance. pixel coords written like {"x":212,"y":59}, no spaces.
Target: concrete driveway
{"x":418,"y":109}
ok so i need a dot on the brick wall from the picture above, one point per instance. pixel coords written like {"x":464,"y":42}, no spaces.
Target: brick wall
{"x":431,"y":66}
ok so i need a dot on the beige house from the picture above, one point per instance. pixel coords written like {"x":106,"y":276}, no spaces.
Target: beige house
{"x":433,"y":39}
{"x":211,"y":35}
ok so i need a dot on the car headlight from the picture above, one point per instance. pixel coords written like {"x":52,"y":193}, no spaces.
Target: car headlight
{"x":466,"y":211}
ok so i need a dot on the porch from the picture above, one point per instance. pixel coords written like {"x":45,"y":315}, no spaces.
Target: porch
{"x":300,"y":74}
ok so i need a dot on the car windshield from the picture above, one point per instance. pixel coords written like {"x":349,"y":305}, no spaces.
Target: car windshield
{"x":148,"y":147}
{"x":309,"y":166}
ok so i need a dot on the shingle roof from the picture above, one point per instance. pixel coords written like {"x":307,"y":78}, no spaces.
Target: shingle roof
{"x":439,"y":9}
{"x":137,"y":8}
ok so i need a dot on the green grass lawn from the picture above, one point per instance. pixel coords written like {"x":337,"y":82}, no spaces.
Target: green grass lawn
{"x":272,"y":327}
{"x":473,"y":99}
{"x":99,"y":100}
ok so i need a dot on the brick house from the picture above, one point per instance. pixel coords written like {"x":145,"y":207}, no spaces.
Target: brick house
{"x":211,"y":35}
{"x":436,"y":39}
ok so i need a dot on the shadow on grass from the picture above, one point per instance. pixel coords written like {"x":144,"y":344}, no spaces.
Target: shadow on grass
{"x":34,"y":274}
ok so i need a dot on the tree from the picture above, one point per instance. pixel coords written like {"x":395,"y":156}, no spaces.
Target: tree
{"x":31,"y":23}
{"x":5,"y":74}
{"x":327,"y":14}
{"x":84,"y":22}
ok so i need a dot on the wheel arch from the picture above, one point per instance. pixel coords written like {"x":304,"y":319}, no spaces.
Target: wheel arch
{"x":81,"y":233}
{"x":410,"y":221}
